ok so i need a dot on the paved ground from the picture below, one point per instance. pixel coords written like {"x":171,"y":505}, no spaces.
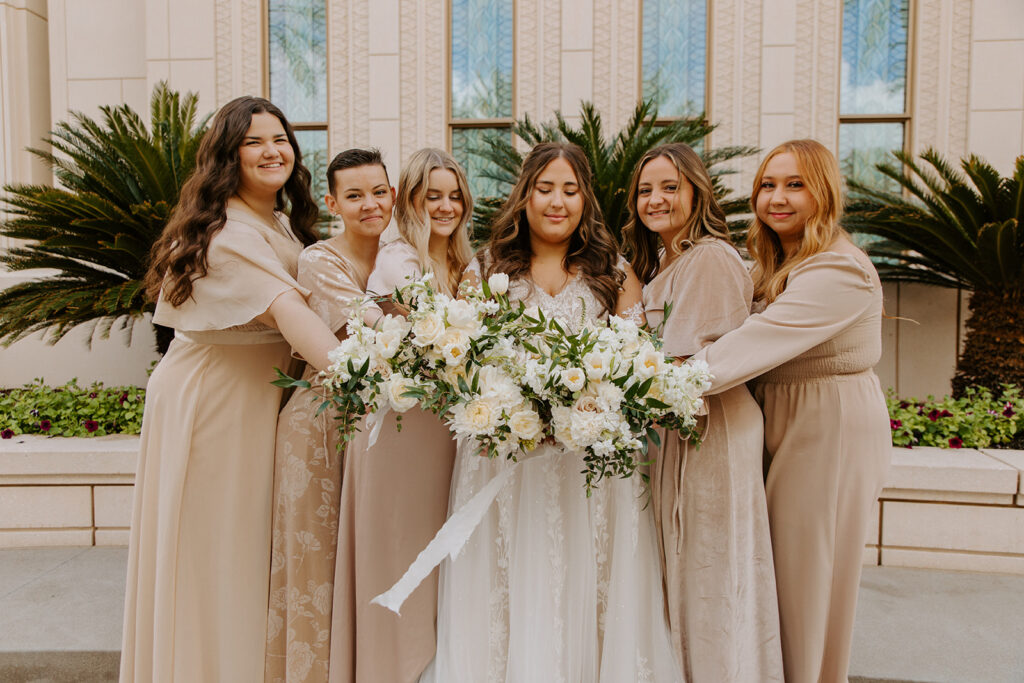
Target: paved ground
{"x":60,"y":621}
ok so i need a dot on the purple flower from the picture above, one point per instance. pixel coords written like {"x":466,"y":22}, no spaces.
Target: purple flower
{"x":935,"y":414}
{"x":34,"y":412}
{"x":904,"y":405}
{"x":1008,"y":411}
{"x":92,"y":394}
{"x":956,"y":442}
{"x":7,"y":433}
{"x":895,"y":424}
{"x":91,"y":425}
{"x":44,"y":425}
{"x":124,"y":397}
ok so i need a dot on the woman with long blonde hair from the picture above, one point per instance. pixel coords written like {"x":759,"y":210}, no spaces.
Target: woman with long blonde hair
{"x":709,"y":502}
{"x":394,"y":493}
{"x":811,"y":353}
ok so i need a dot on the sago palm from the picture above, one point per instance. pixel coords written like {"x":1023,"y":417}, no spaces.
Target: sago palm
{"x":956,"y":228}
{"x":118,"y":182}
{"x":611,"y":158}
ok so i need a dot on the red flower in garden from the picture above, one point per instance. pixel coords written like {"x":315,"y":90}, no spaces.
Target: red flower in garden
{"x":92,"y":394}
{"x":1008,"y":411}
{"x":956,"y":442}
{"x":895,"y":424}
{"x":124,"y":397}
{"x":7,"y":434}
{"x":935,"y":414}
{"x":44,"y":425}
{"x":91,"y":425}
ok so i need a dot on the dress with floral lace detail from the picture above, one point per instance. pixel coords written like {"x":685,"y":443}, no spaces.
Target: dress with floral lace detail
{"x":553,"y":585}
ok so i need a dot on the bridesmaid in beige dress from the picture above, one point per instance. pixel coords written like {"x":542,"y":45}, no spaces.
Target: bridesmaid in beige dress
{"x":394,"y":494}
{"x":709,"y":502}
{"x":812,"y":351}
{"x":307,"y":481}
{"x":223,"y":275}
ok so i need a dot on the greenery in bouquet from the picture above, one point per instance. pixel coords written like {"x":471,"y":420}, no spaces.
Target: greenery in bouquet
{"x":511,"y":378}
{"x":978,"y":419}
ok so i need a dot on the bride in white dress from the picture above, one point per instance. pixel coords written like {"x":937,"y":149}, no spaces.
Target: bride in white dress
{"x":553,"y":585}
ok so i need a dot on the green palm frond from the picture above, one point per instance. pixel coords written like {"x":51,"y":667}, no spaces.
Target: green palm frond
{"x":956,"y":227}
{"x":612,"y":158}
{"x":118,"y":181}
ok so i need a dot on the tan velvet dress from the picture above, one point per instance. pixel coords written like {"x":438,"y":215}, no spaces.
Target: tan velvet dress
{"x":827,"y":435}
{"x":709,"y":501}
{"x":199,"y":553}
{"x":394,"y":498}
{"x":307,"y":488}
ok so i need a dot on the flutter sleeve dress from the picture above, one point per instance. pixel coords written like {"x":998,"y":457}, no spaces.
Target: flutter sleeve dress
{"x":827,"y":435}
{"x":199,"y":551}
{"x":709,"y":501}
{"x":394,"y":498}
{"x":307,"y":488}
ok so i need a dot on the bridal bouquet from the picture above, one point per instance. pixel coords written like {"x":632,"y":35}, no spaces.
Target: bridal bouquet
{"x":511,"y":378}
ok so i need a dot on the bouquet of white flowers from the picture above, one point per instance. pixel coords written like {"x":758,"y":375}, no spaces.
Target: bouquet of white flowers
{"x":510,"y":378}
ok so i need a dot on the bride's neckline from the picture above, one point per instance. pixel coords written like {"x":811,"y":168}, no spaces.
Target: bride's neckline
{"x":570,"y":280}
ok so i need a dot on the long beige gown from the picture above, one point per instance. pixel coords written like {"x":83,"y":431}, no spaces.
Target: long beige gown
{"x":307,"y":488}
{"x":394,"y":498}
{"x":827,"y":434}
{"x":709,"y":502}
{"x":199,"y":554}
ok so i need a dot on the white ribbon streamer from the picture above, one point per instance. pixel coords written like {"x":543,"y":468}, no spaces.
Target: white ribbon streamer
{"x":447,"y":543}
{"x":375,"y":421}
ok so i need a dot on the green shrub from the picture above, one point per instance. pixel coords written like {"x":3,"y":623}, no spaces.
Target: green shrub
{"x":71,"y":410}
{"x":977,"y":420}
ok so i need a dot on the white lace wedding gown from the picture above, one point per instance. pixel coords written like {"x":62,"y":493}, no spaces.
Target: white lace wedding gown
{"x":553,"y":586}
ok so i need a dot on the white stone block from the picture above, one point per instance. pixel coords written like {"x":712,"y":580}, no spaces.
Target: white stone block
{"x":47,"y":537}
{"x":42,"y":507}
{"x":112,"y":536}
{"x":996,"y":136}
{"x":997,"y":75}
{"x":190,"y":28}
{"x":577,"y":25}
{"x":577,"y":82}
{"x":941,"y":526}
{"x":997,"y":20}
{"x":112,"y":506}
{"x":778,"y":22}
{"x":198,"y":76}
{"x":1013,"y":458}
{"x":384,"y":18}
{"x":777,"y":86}
{"x":870,"y":556}
{"x":105,"y":40}
{"x":952,"y":474}
{"x":385,"y":87}
{"x":928,"y":326}
{"x":37,"y":459}
{"x":969,"y":562}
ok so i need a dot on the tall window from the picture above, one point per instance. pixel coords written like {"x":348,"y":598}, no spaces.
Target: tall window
{"x":674,"y":55}
{"x":297,"y":67}
{"x":873,"y":108}
{"x":481,"y":103}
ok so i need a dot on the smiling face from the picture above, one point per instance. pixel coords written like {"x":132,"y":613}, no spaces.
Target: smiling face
{"x":265,"y":157}
{"x":442,"y":203}
{"x":362,"y":199}
{"x":555,"y":205}
{"x":664,"y":199}
{"x":783,"y":201}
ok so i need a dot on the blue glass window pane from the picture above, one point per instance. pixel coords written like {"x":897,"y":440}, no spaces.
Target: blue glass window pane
{"x":675,"y":55}
{"x":313,"y":144}
{"x":482,"y":58}
{"x":862,"y":145}
{"x":298,"y":58}
{"x":874,"y":68}
{"x":464,"y":142}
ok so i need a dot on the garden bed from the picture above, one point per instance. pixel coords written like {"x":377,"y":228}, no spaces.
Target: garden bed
{"x":941,"y":508}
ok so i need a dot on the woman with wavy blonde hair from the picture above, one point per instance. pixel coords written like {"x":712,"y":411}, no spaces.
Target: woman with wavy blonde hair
{"x":432,"y":211}
{"x":394,"y":493}
{"x":721,"y":598}
{"x":810,"y":354}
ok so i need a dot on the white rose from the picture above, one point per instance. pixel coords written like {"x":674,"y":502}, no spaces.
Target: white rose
{"x":648,"y":361}
{"x":609,"y":395}
{"x":454,"y":335}
{"x":395,"y":323}
{"x":397,"y":386}
{"x":461,"y":315}
{"x":588,"y":404}
{"x":388,"y":342}
{"x":561,"y":422}
{"x":498,"y":283}
{"x":476,"y":417}
{"x":573,"y":379}
{"x":427,"y":330}
{"x":525,"y":424}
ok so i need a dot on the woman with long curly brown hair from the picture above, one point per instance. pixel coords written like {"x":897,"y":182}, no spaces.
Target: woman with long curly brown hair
{"x":810,"y":353}
{"x":223,"y":276}
{"x":709,"y":502}
{"x":553,"y":584}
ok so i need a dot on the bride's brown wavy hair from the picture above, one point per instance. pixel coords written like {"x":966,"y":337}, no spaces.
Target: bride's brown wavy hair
{"x":592,"y":248}
{"x":178,"y":257}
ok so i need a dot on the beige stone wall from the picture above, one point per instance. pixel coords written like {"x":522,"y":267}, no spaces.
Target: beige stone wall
{"x":772,"y":74}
